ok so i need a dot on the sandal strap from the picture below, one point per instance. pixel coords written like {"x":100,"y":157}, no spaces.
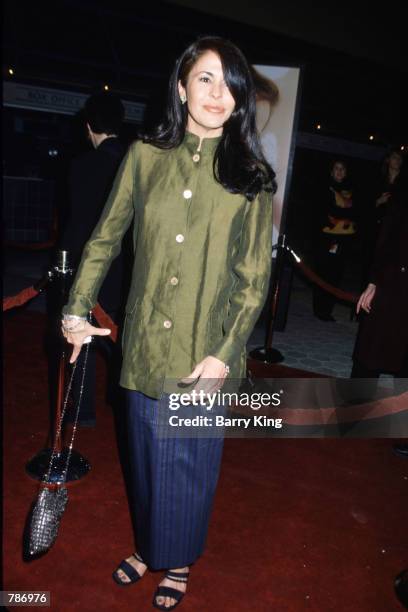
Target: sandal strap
{"x":129,"y":570}
{"x":138,"y":558}
{"x":177,"y":576}
{"x":164,"y":591}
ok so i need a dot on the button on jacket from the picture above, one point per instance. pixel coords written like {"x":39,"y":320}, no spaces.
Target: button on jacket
{"x":202,"y":260}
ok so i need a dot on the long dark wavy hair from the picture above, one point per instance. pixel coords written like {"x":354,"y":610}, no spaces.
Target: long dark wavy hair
{"x":239,"y":164}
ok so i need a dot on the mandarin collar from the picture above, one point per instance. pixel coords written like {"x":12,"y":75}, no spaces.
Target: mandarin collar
{"x":208,"y":145}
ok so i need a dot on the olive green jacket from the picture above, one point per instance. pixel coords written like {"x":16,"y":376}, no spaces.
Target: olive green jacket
{"x":201,"y":266}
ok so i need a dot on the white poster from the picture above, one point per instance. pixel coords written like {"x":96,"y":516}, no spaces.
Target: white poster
{"x":277,"y":101}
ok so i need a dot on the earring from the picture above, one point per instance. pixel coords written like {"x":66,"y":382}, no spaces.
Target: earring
{"x":183,"y":99}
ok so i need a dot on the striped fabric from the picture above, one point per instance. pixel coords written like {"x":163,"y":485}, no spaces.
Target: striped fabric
{"x":173,"y":481}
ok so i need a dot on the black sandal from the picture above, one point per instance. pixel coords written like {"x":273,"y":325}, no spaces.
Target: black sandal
{"x":129,"y":571}
{"x":164,"y":591}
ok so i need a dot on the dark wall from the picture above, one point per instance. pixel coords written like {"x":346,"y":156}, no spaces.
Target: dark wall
{"x":375,"y":33}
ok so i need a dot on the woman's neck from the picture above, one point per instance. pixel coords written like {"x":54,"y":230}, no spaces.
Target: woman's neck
{"x":201,"y":135}
{"x":392,"y":174}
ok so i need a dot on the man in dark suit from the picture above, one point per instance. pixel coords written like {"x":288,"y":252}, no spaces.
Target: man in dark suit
{"x":90,"y":180}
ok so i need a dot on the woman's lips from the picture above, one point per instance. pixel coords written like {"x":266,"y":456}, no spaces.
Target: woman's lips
{"x":214,"y":109}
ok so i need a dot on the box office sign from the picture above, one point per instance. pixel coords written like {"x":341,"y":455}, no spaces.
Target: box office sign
{"x":58,"y":100}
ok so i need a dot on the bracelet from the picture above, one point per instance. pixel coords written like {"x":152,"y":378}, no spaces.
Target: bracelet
{"x":73,"y":328}
{"x":74,"y":320}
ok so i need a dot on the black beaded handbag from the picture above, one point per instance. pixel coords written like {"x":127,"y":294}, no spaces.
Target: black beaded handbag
{"x":52,"y":500}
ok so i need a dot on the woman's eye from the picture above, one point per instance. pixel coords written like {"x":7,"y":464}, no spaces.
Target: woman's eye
{"x":204,"y":79}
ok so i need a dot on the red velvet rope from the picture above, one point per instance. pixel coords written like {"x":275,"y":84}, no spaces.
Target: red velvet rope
{"x":104,"y":320}
{"x":315,"y":278}
{"x":21,"y":298}
{"x":339,"y":293}
{"x":28,"y":293}
{"x":376,"y":409}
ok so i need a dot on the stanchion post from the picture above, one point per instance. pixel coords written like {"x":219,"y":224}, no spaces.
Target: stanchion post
{"x":60,"y":275}
{"x":267,"y":353}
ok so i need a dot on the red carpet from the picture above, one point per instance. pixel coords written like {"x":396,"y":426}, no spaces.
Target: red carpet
{"x":297,"y":525}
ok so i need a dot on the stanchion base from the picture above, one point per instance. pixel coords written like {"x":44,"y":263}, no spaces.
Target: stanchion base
{"x":38,"y":466}
{"x":267,"y":355}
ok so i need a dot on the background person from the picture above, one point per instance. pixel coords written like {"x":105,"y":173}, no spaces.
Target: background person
{"x":200,"y":192}
{"x":336,"y":228}
{"x":90,"y":180}
{"x":391,"y":185}
{"x":382,"y":340}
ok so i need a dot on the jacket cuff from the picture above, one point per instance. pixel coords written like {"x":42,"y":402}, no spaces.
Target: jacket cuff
{"x":78,"y":305}
{"x":227,"y":351}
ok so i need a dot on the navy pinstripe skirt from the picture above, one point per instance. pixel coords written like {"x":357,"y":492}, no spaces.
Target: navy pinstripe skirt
{"x":173,"y":481}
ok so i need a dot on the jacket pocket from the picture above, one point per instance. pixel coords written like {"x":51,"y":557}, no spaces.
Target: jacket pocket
{"x":215,"y":330}
{"x":131,"y":306}
{"x":130,"y":313}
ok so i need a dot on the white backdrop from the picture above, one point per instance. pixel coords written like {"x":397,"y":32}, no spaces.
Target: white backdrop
{"x":278,"y":132}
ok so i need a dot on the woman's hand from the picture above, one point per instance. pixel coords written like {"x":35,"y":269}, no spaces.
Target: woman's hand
{"x":211,"y":373}
{"x":383,"y":199}
{"x":77,"y":336}
{"x":366,"y":298}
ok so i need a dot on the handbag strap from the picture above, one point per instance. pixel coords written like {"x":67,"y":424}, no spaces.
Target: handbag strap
{"x":46,"y":478}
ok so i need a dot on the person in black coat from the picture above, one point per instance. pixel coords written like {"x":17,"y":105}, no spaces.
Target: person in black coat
{"x":382,"y":341}
{"x":391,"y":184}
{"x":336,"y":229}
{"x":90,"y":180}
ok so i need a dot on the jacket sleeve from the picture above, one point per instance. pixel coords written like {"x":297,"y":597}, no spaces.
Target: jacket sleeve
{"x":252,"y":268}
{"x":105,"y":242}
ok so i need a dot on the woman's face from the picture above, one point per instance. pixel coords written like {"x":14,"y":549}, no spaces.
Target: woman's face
{"x":209,"y":101}
{"x":339,"y":172}
{"x":395,"y":161}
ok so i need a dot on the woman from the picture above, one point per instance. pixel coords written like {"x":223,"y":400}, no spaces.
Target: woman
{"x":336,"y":228}
{"x":382,"y":342}
{"x":199,"y":190}
{"x":390,"y":186}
